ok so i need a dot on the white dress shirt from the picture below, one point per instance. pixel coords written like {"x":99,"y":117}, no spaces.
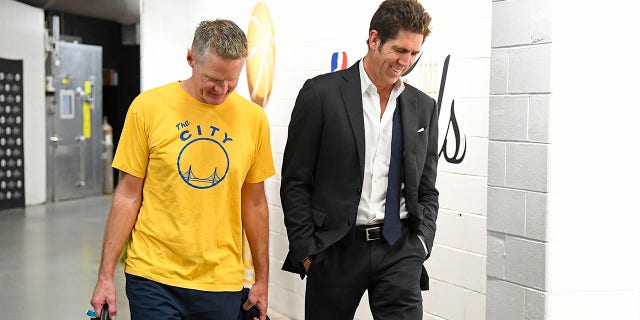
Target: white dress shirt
{"x":377,"y":154}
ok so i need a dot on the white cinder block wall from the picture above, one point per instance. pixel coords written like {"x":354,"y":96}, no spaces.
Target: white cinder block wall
{"x":562,"y":126}
{"x":518,"y":153}
{"x":22,"y":37}
{"x":457,"y":265}
{"x":562,"y":209}
{"x":304,"y":45}
{"x":545,"y":97}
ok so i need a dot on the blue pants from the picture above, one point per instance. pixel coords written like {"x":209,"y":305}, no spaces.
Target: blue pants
{"x":152,"y":300}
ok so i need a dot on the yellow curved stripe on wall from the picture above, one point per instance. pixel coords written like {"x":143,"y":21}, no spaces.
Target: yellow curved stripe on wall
{"x":262,"y":54}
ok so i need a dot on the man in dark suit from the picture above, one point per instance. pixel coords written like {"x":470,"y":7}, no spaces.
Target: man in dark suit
{"x":358,"y":177}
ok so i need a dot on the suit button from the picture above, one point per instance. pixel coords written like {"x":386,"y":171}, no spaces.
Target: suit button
{"x":349,"y":222}
{"x":359,"y":191}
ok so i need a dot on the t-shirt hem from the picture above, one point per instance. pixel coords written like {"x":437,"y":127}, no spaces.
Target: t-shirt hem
{"x":128,"y":169}
{"x":186,"y":284}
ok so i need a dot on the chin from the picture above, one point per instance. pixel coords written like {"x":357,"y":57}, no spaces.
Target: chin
{"x":393,"y":81}
{"x":215,"y":100}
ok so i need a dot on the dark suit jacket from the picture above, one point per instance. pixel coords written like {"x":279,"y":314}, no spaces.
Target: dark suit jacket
{"x":323,"y":165}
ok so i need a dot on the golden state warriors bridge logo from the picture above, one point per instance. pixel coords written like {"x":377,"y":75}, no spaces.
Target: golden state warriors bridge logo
{"x":203,"y":162}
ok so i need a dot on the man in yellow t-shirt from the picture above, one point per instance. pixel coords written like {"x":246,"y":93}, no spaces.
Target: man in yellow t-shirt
{"x":193,"y":157}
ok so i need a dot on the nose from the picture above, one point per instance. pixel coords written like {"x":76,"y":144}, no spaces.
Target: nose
{"x":221,"y":87}
{"x":406,"y":59}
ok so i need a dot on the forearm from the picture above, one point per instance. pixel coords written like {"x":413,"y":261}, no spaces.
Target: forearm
{"x":298,"y":219}
{"x":124,"y":210}
{"x":428,"y":200}
{"x":427,"y":191}
{"x":299,"y":163}
{"x":257,"y":230}
{"x":255,"y":219}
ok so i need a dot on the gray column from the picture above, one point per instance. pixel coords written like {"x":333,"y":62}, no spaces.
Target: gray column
{"x":518,"y":153}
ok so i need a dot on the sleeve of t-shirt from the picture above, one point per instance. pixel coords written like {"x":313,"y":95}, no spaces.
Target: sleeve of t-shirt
{"x":262,"y":167}
{"x":132,"y":154}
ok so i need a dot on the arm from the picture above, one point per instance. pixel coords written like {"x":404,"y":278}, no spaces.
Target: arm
{"x":427,"y":192}
{"x":124,"y":210}
{"x":255,"y":218}
{"x":298,"y":166}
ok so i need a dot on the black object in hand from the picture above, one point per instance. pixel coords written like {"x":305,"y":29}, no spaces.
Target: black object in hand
{"x":104,"y":315}
{"x":252,"y":312}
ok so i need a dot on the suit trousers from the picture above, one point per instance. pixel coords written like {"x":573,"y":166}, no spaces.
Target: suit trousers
{"x":391,"y":274}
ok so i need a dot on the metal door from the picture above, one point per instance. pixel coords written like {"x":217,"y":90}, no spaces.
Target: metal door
{"x":74,"y":103}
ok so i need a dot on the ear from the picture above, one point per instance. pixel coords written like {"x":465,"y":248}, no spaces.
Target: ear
{"x":190,"y":59}
{"x":374,"y":40}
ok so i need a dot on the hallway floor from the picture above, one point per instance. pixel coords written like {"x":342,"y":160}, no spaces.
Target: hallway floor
{"x":49,"y":256}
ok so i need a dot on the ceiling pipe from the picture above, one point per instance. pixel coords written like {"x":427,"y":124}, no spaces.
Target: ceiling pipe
{"x":122,"y":11}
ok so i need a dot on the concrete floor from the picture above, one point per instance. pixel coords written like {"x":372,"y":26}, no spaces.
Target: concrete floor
{"x":49,"y":256}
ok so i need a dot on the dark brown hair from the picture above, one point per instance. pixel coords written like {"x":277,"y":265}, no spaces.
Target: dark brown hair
{"x":395,"y":15}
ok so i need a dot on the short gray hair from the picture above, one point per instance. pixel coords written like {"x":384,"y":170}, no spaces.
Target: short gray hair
{"x":220,"y":36}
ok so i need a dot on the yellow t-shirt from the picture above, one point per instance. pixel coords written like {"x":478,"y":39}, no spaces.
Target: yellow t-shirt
{"x":194,"y":159}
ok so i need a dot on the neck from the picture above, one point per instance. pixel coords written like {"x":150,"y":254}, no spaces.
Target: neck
{"x":187,"y":86}
{"x":386,"y":91}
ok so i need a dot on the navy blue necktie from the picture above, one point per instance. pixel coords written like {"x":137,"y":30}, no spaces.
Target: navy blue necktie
{"x":391,"y":229}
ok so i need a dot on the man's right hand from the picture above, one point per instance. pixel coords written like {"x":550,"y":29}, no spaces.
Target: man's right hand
{"x":104,"y":293}
{"x":306,"y":263}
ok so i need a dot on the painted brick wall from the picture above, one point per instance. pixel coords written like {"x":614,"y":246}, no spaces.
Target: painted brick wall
{"x":457,"y":265}
{"x":22,"y":37}
{"x":560,"y":235}
{"x":550,"y":174}
{"x":518,"y":153}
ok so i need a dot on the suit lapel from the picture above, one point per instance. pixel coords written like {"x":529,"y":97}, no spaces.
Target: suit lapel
{"x":352,"y":97}
{"x":409,"y":112}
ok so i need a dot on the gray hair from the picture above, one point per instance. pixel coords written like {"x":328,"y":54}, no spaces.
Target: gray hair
{"x":220,"y":36}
